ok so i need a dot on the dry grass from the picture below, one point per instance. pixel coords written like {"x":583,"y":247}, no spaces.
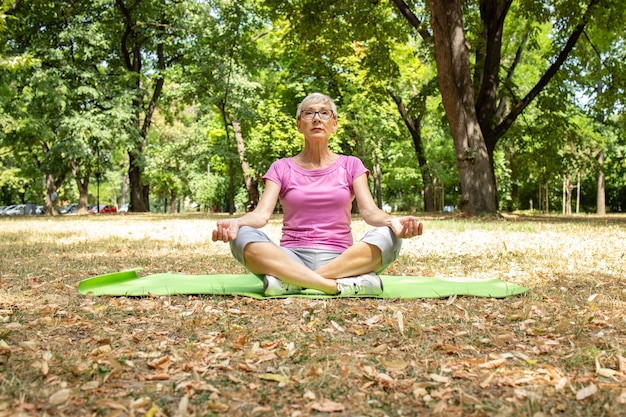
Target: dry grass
{"x":557,"y":350}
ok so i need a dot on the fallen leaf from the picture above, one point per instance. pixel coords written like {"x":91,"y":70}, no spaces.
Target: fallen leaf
{"x":394,"y":365}
{"x":183,"y":407}
{"x":380,"y":348}
{"x":439,"y":378}
{"x":488,"y":380}
{"x":274,"y":377}
{"x":328,"y":406}
{"x":112,"y":404}
{"x":400,"y":319}
{"x":492,"y":364}
{"x":160,"y":363}
{"x":91,"y":385}
{"x":385,"y":380}
{"x":60,"y":397}
{"x":217,"y":406}
{"x":586,"y":392}
{"x":621,"y":364}
{"x":373,"y":320}
{"x":80,"y":367}
{"x":419,"y":393}
{"x":337,"y":326}
{"x":140,"y":403}
{"x":163,"y":376}
{"x":153,"y":411}
{"x":561,"y":384}
{"x":4,"y":347}
{"x":605,"y":372}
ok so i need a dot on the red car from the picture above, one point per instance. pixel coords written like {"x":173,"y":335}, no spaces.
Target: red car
{"x":104,"y":208}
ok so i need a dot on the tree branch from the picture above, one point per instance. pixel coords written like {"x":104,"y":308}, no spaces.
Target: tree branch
{"x":543,"y":81}
{"x":413,"y":20}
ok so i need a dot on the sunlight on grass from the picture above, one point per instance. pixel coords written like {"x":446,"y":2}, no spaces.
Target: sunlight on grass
{"x":458,"y":356}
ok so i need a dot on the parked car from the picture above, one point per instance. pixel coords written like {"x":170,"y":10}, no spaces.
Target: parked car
{"x":7,"y":208}
{"x":104,"y":208}
{"x":15,"y":210}
{"x":70,"y":208}
{"x":124,"y":208}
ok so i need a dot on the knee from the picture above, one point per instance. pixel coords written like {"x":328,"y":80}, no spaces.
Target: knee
{"x":387,"y":241}
{"x":245,"y":237}
{"x":388,"y":236}
{"x":253,"y":250}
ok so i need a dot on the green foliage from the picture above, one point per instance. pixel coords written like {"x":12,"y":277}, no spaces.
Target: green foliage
{"x":209,"y":190}
{"x":74,"y":100}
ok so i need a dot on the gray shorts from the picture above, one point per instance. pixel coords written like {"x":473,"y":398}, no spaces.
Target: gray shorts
{"x":381,"y":237}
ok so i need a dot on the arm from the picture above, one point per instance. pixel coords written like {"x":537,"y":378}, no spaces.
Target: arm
{"x":227,"y":229}
{"x":403,"y":227}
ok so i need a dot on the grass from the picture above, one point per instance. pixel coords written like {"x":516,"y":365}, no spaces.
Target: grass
{"x":557,"y":350}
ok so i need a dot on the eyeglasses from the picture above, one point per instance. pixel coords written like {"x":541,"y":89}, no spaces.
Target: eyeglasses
{"x":325,"y":114}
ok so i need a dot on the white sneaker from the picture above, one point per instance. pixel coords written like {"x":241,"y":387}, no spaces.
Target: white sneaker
{"x":272,"y":286}
{"x":366,"y":284}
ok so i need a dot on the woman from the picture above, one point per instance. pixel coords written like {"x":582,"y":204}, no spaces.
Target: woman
{"x":316,"y":189}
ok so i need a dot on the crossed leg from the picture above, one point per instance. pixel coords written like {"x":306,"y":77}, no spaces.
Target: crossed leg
{"x":261,"y":256}
{"x":358,"y":259}
{"x":267,"y":258}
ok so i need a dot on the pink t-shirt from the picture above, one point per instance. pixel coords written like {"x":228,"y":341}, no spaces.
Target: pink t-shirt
{"x":317,"y":202}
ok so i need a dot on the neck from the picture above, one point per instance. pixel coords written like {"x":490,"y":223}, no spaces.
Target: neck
{"x":315,"y":158}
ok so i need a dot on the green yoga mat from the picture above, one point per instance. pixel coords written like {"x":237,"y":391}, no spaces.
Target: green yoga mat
{"x":129,"y":283}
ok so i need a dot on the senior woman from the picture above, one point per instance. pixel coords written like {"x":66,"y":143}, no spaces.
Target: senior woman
{"x":316,"y":188}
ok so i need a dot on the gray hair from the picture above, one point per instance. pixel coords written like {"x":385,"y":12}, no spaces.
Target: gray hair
{"x":316,"y":98}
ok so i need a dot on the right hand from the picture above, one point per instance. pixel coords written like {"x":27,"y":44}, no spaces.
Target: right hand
{"x":226,"y":230}
{"x":407,"y":226}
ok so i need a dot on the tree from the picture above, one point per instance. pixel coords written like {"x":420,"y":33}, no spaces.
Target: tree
{"x":328,"y":46}
{"x":68,"y":111}
{"x":475,"y":107}
{"x":149,"y":42}
{"x":221,"y":74}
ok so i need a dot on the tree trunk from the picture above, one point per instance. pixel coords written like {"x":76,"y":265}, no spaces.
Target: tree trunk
{"x":514,"y":203}
{"x":124,"y":190}
{"x":173,"y":201}
{"x":83,"y":190}
{"x":83,"y":195}
{"x":567,"y":195}
{"x":414,"y":126}
{"x":251,"y":183}
{"x":132,"y":45}
{"x":52,"y":199}
{"x":478,"y":187}
{"x":377,"y":173}
{"x":51,"y":196}
{"x":600,"y":196}
{"x":139,"y":193}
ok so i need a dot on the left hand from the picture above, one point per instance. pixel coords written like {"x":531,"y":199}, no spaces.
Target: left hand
{"x":406,"y":226}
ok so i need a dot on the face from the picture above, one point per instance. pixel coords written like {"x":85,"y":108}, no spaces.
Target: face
{"x":317,"y":126}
